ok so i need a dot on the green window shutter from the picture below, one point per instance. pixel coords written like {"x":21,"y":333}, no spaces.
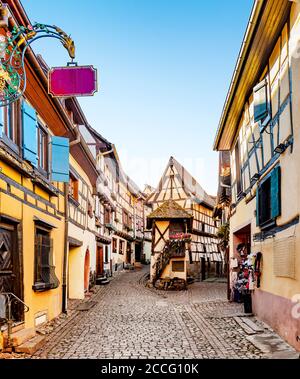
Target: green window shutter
{"x":60,"y":166}
{"x":258,"y":210}
{"x":276,"y":193}
{"x":29,"y":134}
{"x":260,"y":101}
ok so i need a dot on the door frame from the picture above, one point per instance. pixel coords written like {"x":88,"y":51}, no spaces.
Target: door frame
{"x":100,"y":260}
{"x":15,"y":227}
{"x":87,"y":263}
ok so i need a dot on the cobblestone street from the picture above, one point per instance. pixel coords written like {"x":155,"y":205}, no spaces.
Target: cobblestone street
{"x":132,"y":321}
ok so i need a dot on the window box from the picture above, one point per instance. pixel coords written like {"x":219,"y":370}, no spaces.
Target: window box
{"x":42,"y":287}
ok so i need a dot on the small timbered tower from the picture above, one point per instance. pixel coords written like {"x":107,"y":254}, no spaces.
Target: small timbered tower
{"x":171,"y":226}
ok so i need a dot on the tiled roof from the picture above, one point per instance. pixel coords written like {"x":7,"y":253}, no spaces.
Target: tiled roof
{"x":192,"y":186}
{"x":169,"y":210}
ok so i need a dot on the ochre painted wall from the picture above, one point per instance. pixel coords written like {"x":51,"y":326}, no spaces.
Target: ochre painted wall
{"x":11,"y":205}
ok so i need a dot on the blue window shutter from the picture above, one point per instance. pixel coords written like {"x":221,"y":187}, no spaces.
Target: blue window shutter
{"x":29,"y":134}
{"x":260,"y":101}
{"x":258,"y":197}
{"x":275,"y":193}
{"x":1,"y":122}
{"x":60,"y":166}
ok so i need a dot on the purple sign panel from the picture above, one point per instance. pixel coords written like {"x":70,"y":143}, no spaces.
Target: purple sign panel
{"x":72,"y":81}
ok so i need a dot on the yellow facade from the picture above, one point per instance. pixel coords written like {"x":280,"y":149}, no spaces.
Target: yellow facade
{"x":23,"y":205}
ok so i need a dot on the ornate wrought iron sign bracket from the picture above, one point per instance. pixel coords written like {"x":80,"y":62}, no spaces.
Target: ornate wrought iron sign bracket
{"x":13,"y":47}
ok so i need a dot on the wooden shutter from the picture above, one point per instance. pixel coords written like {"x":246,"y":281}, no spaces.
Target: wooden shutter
{"x":60,"y":166}
{"x":260,"y":101}
{"x":276,"y":193}
{"x":258,"y":209}
{"x":29,"y":134}
{"x":1,"y":122}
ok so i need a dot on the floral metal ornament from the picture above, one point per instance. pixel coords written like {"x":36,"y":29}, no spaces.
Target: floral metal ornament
{"x":13,"y":47}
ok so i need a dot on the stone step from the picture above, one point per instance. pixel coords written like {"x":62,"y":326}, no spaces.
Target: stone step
{"x":244,"y":326}
{"x":99,"y":281}
{"x":31,"y":346}
{"x":252,"y":325}
{"x":20,"y":337}
{"x":15,"y":328}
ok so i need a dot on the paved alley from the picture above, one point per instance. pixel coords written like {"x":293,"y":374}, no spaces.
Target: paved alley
{"x":132,"y":321}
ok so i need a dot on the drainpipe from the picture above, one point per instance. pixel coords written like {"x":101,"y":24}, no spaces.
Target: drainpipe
{"x":107,"y":152}
{"x":66,"y":250}
{"x":77,"y":140}
{"x":66,"y":242}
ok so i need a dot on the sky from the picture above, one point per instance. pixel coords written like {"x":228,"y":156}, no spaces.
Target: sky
{"x":164,"y":69}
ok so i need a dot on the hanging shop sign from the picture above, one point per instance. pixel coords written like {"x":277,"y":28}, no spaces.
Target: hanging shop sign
{"x":72,"y":81}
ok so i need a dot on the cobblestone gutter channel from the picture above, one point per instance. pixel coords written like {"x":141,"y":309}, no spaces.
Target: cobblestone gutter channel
{"x":129,"y":320}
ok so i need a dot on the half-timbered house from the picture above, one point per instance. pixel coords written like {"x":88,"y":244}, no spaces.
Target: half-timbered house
{"x":178,"y":185}
{"x":32,"y":197}
{"x":82,"y":234}
{"x":120,"y":210}
{"x":222,"y":212}
{"x":259,"y":126}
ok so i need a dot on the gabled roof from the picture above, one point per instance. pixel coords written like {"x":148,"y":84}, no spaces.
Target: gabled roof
{"x":189,"y":184}
{"x":170,"y":210}
{"x":113,"y":161}
{"x":192,"y":186}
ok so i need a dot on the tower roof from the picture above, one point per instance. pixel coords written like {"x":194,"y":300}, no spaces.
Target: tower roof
{"x":170,"y":210}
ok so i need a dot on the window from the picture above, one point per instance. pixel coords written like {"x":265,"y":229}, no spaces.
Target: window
{"x":90,"y":210}
{"x":106,"y":255}
{"x":176,"y":228}
{"x":268,"y":199}
{"x":107,"y":216}
{"x":121,"y":247}
{"x":114,"y":245}
{"x":125,"y":218}
{"x":9,"y":122}
{"x":130,"y":223}
{"x":44,"y":273}
{"x":178,"y":266}
{"x":42,"y":149}
{"x":73,"y":187}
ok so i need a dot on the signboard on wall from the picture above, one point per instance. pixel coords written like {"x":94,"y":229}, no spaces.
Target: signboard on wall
{"x":72,"y":81}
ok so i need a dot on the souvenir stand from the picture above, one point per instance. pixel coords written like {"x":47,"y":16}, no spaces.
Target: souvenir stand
{"x":247,"y":275}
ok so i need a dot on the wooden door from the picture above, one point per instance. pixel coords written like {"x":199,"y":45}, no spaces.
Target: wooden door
{"x":87,"y":271}
{"x":10,"y":282}
{"x":100,"y":261}
{"x":138,"y":252}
